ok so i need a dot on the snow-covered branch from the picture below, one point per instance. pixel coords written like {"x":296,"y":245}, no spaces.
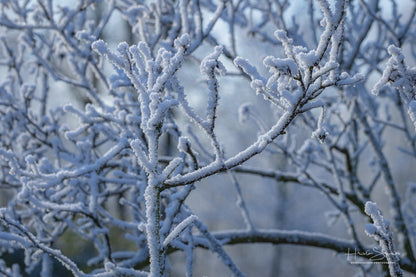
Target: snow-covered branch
{"x":130,"y":130}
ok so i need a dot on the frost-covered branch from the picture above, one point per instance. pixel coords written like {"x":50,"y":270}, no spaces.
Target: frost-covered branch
{"x":128,"y":128}
{"x":381,"y":232}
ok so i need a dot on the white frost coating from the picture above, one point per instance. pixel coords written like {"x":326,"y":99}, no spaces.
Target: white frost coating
{"x":179,"y":229}
{"x":321,"y":133}
{"x":329,"y":66}
{"x":346,"y":80}
{"x":286,"y":66}
{"x":396,"y":73}
{"x":30,"y":159}
{"x":211,"y":62}
{"x":135,"y":12}
{"x":184,"y":40}
{"x":73,"y":207}
{"x":371,"y":209}
{"x":183,"y":143}
{"x":257,"y":84}
{"x":93,"y":182}
{"x":138,"y":149}
{"x":291,"y":98}
{"x":287,"y":42}
{"x":280,"y":34}
{"x":153,"y":226}
{"x":339,"y":8}
{"x":400,"y":77}
{"x":308,"y":59}
{"x":209,"y":66}
{"x":114,"y":270}
{"x":100,"y":46}
{"x":120,"y":142}
{"x":84,"y":35}
{"x":171,"y":167}
{"x":412,"y":111}
{"x":370,"y":229}
{"x":109,"y":266}
{"x":395,"y":51}
{"x":249,"y":69}
{"x":382,"y":81}
{"x":381,"y":232}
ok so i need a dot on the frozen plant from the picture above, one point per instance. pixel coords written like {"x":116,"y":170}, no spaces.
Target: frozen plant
{"x":115,"y":114}
{"x":380,"y":231}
